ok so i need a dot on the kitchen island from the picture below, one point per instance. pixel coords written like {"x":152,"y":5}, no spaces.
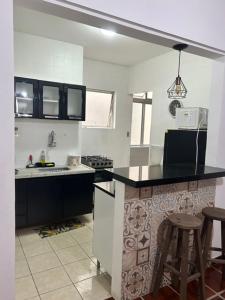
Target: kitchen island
{"x":144,"y":197}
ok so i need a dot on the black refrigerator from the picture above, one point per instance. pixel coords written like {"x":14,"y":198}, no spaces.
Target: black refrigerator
{"x":184,"y":146}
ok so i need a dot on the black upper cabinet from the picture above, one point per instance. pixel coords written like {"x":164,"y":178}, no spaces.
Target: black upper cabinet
{"x":26,"y":97}
{"x":75,"y":102}
{"x":49,"y":100}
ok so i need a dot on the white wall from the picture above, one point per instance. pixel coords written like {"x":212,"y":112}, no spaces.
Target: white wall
{"x":46,"y":59}
{"x":113,"y":143}
{"x":7,"y":202}
{"x":157,"y":75}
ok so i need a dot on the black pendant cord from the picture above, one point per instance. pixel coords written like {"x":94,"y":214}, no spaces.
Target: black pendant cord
{"x":179,"y":63}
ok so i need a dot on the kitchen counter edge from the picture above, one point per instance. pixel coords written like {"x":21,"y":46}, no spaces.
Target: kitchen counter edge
{"x":34,"y":173}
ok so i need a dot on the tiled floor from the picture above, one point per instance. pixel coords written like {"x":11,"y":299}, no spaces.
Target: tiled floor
{"x":215,"y":288}
{"x":61,"y":267}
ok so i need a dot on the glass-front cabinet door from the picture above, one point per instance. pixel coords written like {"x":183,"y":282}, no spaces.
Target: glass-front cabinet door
{"x":26,"y":97}
{"x":75,"y":98}
{"x":50,"y":100}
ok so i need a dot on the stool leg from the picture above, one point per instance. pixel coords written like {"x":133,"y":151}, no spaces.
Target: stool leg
{"x":207,"y":243}
{"x":184,"y":265}
{"x":163,"y":258}
{"x":204,"y":230}
{"x":199,"y":262}
{"x":223,"y":246}
{"x":175,"y":279}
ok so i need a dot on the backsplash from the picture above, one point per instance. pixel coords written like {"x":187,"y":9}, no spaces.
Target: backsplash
{"x":33,"y":138}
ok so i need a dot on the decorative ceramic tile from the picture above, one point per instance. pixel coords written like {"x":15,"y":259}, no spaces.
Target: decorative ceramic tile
{"x":146,"y":192}
{"x":137,"y":214}
{"x":142,"y":256}
{"x":145,"y":220}
{"x":192,"y":186}
{"x":144,"y":239}
{"x":130,"y":243}
{"x":131,"y":193}
{"x":130,"y":261}
{"x":135,"y":282}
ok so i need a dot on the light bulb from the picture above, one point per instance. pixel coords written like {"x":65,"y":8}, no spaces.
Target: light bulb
{"x":178,"y":89}
{"x":110,"y":33}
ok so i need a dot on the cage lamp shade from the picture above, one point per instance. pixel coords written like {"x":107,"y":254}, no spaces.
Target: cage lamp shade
{"x":178,"y":90}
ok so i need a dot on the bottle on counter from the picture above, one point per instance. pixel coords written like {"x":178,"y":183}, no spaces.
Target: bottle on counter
{"x":30,"y":162}
{"x":42,"y":158}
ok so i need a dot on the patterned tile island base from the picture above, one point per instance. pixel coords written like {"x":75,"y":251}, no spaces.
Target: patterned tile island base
{"x":145,"y":212}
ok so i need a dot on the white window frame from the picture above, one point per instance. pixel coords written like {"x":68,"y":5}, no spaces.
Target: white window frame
{"x":111,"y":119}
{"x":143,"y":101}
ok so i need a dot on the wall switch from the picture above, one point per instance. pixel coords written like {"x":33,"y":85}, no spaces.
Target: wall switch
{"x":128,"y":133}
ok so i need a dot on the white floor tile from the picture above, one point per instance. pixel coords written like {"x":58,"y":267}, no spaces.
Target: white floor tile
{"x":67,"y":293}
{"x":82,"y":235}
{"x":17,"y":241}
{"x":36,"y":248}
{"x":22,"y":269}
{"x":51,"y":280}
{"x":19,"y":253}
{"x":25,"y":288}
{"x":28,"y":236}
{"x":95,"y":288}
{"x":61,"y":241}
{"x":43,"y":262}
{"x":81,"y":270}
{"x":71,"y":254}
{"x":88,"y":248}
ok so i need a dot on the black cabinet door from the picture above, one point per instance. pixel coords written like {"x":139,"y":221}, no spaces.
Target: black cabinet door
{"x":21,"y":202}
{"x":77,"y":195}
{"x":51,"y":100}
{"x":26,"y":97}
{"x":75,"y":102}
{"x":43,"y":198}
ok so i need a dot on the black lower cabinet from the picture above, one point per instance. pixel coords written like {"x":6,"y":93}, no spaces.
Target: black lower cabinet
{"x":21,"y":203}
{"x":52,"y":199}
{"x":43,"y":200}
{"x":77,"y":195}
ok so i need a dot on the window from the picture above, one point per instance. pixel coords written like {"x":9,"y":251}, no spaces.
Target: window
{"x":141,"y":119}
{"x":99,"y":109}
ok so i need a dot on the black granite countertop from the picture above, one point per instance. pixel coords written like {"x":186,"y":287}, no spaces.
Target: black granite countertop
{"x":107,"y":187}
{"x":159,"y":175}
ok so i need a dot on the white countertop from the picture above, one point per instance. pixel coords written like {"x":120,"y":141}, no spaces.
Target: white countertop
{"x":38,"y":172}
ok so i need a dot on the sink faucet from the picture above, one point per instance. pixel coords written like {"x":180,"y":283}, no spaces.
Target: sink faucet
{"x":52,"y":139}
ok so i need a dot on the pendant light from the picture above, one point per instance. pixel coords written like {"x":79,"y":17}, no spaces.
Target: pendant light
{"x":178,"y":89}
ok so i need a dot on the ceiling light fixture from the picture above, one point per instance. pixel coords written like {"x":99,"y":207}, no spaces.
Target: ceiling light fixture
{"x":110,"y":33}
{"x":178,"y":90}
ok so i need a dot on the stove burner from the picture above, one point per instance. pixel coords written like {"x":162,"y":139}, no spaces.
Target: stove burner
{"x":97,"y":161}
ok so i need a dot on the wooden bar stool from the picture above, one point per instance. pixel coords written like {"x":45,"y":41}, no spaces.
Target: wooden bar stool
{"x":211,"y":214}
{"x":179,"y":266}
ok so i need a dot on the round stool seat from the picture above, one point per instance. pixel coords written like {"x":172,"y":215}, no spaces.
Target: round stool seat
{"x":214,"y":213}
{"x":185,"y":221}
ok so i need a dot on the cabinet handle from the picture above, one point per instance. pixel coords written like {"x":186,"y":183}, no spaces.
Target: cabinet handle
{"x":51,"y":117}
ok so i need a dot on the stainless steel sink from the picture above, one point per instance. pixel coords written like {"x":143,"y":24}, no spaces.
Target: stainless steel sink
{"x":54,"y":169}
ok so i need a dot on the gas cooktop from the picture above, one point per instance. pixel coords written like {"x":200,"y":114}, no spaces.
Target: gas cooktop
{"x":97,"y":161}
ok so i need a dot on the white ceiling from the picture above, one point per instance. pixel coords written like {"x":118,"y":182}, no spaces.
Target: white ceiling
{"x":119,"y":49}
